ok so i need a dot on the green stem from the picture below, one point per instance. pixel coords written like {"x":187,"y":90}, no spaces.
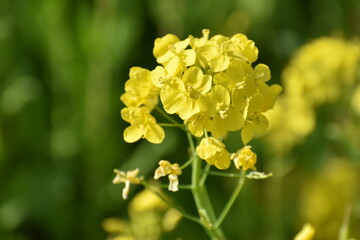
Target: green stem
{"x":221,"y":174}
{"x":201,"y":198}
{"x":231,"y":200}
{"x":204,"y":174}
{"x":172,"y":125}
{"x":165,"y":115}
{"x":188,"y":162}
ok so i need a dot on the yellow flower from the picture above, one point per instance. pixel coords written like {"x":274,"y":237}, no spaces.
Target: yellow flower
{"x":213,"y":53}
{"x":172,"y":170}
{"x":256,"y":123}
{"x":159,"y":77}
{"x":223,"y":117}
{"x":196,"y":84}
{"x":173,"y":96}
{"x":242,"y":48}
{"x":213,"y":152}
{"x":139,"y":90}
{"x":264,"y":98}
{"x":306,"y":233}
{"x":177,"y":57}
{"x":197,"y":123}
{"x":143,"y":125}
{"x":238,"y":75}
{"x":218,"y":51}
{"x":244,"y":158}
{"x":262,"y":72}
{"x":161,"y":45}
{"x":181,"y":95}
{"x":127,"y":178}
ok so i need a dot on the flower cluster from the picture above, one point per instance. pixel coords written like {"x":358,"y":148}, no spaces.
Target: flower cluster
{"x":208,"y":82}
{"x":321,"y":72}
{"x":212,"y":88}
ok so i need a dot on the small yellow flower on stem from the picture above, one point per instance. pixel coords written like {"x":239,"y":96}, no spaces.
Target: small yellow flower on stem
{"x":127,"y":178}
{"x":173,"y":170}
{"x":142,"y":125}
{"x":213,"y":152}
{"x":244,"y":158}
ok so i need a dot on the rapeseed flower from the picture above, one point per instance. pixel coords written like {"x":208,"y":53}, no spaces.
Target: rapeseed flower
{"x":321,"y":72}
{"x":143,"y":125}
{"x":213,"y":152}
{"x":209,"y":82}
{"x":172,"y":170}
{"x":244,"y":158}
{"x":127,"y":178}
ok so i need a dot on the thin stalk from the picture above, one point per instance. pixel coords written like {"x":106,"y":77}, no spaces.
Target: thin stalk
{"x":231,"y":201}
{"x":188,"y":162}
{"x":165,"y":115}
{"x":204,"y":174}
{"x":221,"y":174}
{"x":172,"y":125}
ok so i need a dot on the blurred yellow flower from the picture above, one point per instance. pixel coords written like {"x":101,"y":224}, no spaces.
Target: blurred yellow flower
{"x":355,"y":101}
{"x":324,"y":197}
{"x":320,"y":73}
{"x":306,"y":233}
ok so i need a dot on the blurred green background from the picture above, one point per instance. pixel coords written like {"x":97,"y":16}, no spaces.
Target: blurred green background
{"x":63,"y":65}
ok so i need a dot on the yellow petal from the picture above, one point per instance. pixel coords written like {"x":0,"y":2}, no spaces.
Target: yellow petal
{"x":262,"y":72}
{"x":133,"y":133}
{"x":189,"y":57}
{"x":173,"y":66}
{"x":222,"y":160}
{"x":196,"y":124}
{"x":161,"y":45}
{"x":172,"y":98}
{"x":174,"y":182}
{"x":154,"y":133}
{"x":208,"y":147}
{"x":157,"y":76}
{"x":234,"y":120}
{"x":219,"y":63}
{"x":125,"y":114}
{"x":181,"y":45}
{"x":238,"y":99}
{"x":208,"y":52}
{"x":251,"y":52}
{"x":247,"y":133}
{"x":217,"y":127}
{"x":188,"y":109}
{"x":260,"y":124}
